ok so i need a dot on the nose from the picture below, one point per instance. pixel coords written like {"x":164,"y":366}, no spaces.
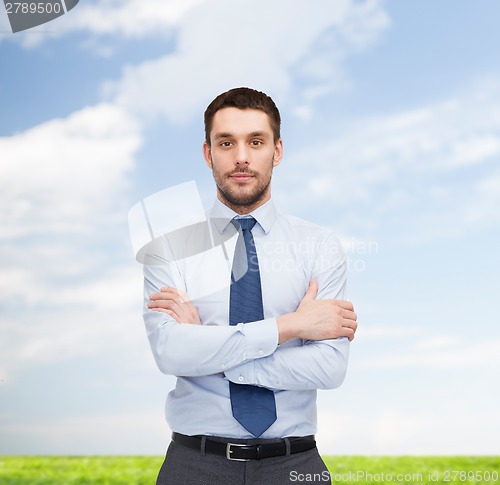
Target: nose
{"x":241,"y":157}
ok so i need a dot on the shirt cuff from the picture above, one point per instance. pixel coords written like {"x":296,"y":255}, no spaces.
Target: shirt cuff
{"x":262,"y":340}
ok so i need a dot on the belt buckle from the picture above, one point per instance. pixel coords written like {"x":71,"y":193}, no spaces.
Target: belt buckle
{"x":229,"y":451}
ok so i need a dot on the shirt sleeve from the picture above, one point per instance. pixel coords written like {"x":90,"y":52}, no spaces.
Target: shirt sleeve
{"x":304,"y":365}
{"x":197,"y":350}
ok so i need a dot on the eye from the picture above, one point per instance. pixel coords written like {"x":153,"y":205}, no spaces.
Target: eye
{"x":256,"y":143}
{"x":225,"y":144}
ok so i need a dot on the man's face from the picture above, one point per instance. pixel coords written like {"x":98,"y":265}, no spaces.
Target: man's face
{"x":242,"y":156}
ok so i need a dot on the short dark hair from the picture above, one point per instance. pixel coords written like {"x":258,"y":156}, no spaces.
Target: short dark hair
{"x":243,"y":98}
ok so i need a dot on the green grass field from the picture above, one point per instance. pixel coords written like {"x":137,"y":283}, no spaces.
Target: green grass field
{"x":344,"y":469}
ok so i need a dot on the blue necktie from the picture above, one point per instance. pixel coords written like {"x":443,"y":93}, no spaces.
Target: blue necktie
{"x":253,"y":407}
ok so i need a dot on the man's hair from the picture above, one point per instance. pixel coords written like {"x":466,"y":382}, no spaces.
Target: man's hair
{"x":243,"y":98}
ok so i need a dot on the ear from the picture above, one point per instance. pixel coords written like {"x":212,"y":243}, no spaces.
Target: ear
{"x":278,"y":152}
{"x":207,"y":154}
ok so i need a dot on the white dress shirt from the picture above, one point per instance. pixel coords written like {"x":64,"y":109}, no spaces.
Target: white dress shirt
{"x":205,"y":357}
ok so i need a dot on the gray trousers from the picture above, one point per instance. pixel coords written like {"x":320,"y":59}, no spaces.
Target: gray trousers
{"x":184,"y":466}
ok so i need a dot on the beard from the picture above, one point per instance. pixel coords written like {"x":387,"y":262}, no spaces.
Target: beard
{"x":236,"y":196}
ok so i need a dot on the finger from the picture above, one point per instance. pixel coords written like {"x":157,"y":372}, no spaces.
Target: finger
{"x":350,"y":324}
{"x":168,"y":312}
{"x":165,"y":304}
{"x":349,"y":315}
{"x":184,"y":296}
{"x":166,"y":295}
{"x":348,"y":332}
{"x":169,"y":289}
{"x":312,"y":290}
{"x":174,"y":291}
{"x":346,"y":305}
{"x":162,"y":310}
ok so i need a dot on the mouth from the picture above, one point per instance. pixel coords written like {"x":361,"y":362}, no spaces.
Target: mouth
{"x":241,"y":177}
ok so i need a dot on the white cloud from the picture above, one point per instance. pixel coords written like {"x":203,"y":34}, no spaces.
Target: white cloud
{"x":223,"y":44}
{"x":398,"y":431}
{"x":229,"y":26}
{"x":120,"y":433}
{"x":303,"y":113}
{"x":418,"y":162}
{"x":439,"y":352}
{"x":484,"y":201}
{"x":132,"y":19}
{"x":386,"y":331}
{"x":65,"y":174}
{"x":64,"y":293}
{"x":377,"y":150}
{"x":438,"y":342}
{"x":475,"y":149}
{"x":53,"y":322}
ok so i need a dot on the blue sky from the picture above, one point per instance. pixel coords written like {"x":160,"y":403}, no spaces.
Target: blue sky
{"x":391,"y":129}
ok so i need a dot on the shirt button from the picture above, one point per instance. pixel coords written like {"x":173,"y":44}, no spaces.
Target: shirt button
{"x":241,"y":379}
{"x":223,"y":366}
{"x":261,"y":352}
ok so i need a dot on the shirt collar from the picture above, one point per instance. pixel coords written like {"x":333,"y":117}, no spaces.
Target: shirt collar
{"x":265,"y":215}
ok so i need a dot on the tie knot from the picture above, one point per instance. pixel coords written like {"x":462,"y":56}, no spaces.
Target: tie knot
{"x":246,"y":223}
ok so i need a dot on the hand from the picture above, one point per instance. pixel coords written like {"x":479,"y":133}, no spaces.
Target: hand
{"x":175,"y":303}
{"x":318,"y":319}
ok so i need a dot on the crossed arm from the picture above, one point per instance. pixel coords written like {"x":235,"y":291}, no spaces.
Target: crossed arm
{"x":256,"y":353}
{"x":313,"y":319}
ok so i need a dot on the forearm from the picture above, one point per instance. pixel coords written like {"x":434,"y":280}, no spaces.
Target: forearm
{"x":196,"y":350}
{"x":314,"y":365}
{"x":303,"y":361}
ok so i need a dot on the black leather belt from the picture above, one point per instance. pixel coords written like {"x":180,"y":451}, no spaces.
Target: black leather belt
{"x":245,"y":452}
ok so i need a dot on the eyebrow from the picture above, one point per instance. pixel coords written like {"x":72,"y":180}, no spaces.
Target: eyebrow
{"x":261,"y":134}
{"x":258,"y":134}
{"x":218,"y":136}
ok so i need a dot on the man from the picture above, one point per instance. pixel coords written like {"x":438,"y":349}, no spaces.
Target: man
{"x":248,"y":356}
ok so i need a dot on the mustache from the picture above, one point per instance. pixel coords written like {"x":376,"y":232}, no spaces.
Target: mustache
{"x":245,"y":171}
